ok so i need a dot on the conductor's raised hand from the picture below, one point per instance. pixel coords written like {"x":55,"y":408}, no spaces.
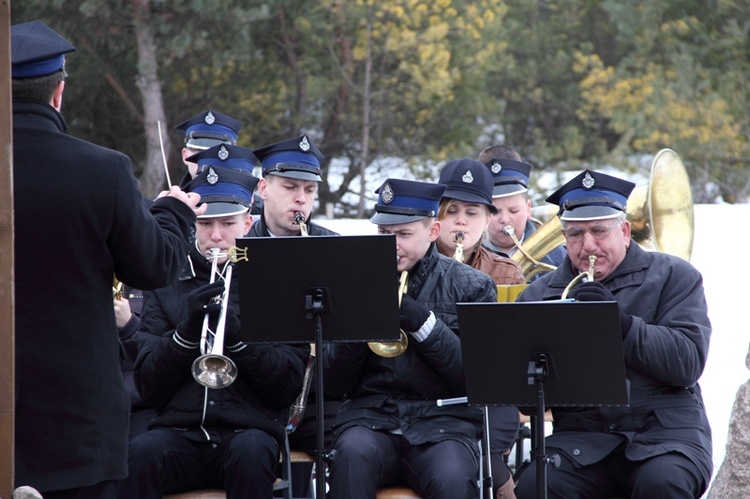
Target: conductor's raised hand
{"x":189,"y":198}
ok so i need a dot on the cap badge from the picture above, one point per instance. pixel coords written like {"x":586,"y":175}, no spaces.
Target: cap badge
{"x":387,"y":194}
{"x":588,"y":181}
{"x":496,"y":168}
{"x":468,"y":177}
{"x":304,"y":145}
{"x":210,"y":118}
{"x":223,"y":153}
{"x":212,"y":176}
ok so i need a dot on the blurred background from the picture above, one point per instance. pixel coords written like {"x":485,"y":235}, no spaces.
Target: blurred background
{"x":397,"y":88}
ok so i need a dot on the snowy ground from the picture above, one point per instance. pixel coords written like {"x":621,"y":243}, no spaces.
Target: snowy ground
{"x":716,"y":238}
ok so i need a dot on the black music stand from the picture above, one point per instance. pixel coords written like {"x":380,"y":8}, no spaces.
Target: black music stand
{"x":299,"y":286}
{"x":543,"y":354}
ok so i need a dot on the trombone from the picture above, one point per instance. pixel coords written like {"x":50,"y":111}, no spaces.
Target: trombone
{"x":212,"y":368}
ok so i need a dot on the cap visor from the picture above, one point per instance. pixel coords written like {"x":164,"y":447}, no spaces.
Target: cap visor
{"x":468,"y":197}
{"x":203,"y":144}
{"x":218,"y":209}
{"x":297,"y":175}
{"x":586,"y":213}
{"x":504,"y":190}
{"x":393,"y":219}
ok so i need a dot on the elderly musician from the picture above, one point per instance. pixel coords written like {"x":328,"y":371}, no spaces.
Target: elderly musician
{"x":390,"y":429}
{"x":203,"y":436}
{"x":79,"y":221}
{"x":659,"y":445}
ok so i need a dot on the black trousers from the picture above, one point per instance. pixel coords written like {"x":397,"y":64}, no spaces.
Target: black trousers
{"x":368,"y":460}
{"x":670,"y":475}
{"x":163,"y":461}
{"x":102,"y":490}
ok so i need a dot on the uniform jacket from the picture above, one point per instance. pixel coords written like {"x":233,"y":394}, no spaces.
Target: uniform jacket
{"x":269,"y":375}
{"x":665,"y":353}
{"x":259,"y":229}
{"x":79,"y":220}
{"x":401,"y":392}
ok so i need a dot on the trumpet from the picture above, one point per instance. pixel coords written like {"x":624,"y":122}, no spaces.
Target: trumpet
{"x":589,"y":275}
{"x":390,"y":349}
{"x":212,"y":368}
{"x":299,"y":219}
{"x":459,"y":254}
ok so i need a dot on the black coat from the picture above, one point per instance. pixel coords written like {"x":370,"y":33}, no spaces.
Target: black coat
{"x":269,"y":375}
{"x":79,"y":220}
{"x":665,"y":353}
{"x":401,"y":392}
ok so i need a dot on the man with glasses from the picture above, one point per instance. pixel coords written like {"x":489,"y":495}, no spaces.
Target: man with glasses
{"x":659,"y":445}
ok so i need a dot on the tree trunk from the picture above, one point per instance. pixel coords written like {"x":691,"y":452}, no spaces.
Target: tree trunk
{"x":147,"y":81}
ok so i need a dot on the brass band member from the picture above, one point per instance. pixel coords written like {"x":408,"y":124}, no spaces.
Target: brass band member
{"x":511,"y":199}
{"x":203,"y":437}
{"x":660,"y":445}
{"x":390,"y":429}
{"x":465,"y":211}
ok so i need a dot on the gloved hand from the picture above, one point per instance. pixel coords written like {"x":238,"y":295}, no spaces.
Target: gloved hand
{"x":232,"y":331}
{"x":592,"y":291}
{"x":199,"y":305}
{"x":595,"y":291}
{"x":412,"y":314}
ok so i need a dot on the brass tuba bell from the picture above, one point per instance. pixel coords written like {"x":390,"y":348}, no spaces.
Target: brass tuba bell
{"x":392,"y":349}
{"x":660,"y":215}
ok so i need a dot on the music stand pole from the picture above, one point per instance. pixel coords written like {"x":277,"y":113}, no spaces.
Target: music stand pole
{"x":316,"y":308}
{"x":537,"y":371}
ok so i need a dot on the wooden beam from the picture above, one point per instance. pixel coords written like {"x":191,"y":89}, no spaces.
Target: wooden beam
{"x":7,"y":315}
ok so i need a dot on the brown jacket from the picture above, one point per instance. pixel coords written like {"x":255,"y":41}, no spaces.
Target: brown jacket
{"x":503,"y":270}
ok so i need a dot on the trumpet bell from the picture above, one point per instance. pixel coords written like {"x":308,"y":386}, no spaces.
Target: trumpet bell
{"x":214,"y":371}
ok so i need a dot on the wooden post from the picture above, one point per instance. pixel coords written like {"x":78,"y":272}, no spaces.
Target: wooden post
{"x":7,"y":314}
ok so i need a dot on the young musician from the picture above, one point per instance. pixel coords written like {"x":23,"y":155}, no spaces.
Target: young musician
{"x":390,"y":428}
{"x":204,"y":437}
{"x":465,"y":211}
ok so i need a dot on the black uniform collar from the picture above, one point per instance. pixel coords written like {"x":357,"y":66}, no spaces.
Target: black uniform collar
{"x":37,"y":114}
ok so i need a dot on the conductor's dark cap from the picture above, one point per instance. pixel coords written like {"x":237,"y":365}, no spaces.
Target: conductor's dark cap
{"x":208,"y":129}
{"x":403,"y":201}
{"x":37,"y":50}
{"x":509,"y":176}
{"x":467,"y":180}
{"x":225,"y":180}
{"x":295,"y":158}
{"x":591,"y":196}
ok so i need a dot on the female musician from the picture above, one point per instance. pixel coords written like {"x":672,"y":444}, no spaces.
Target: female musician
{"x":465,"y":211}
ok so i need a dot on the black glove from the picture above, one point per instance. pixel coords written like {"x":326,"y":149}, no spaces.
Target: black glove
{"x":595,"y":291}
{"x":592,"y":291}
{"x":412,"y":314}
{"x":232,"y":331}
{"x":198,"y":306}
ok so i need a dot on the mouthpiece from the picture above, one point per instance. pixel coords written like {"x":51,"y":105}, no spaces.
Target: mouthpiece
{"x":508,"y":230}
{"x":299,"y":218}
{"x":459,"y":237}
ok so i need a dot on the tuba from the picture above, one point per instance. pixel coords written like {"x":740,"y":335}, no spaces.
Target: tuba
{"x":660,"y":215}
{"x":390,"y":349}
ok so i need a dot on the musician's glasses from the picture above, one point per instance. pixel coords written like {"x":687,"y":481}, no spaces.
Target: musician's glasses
{"x":598,"y":231}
